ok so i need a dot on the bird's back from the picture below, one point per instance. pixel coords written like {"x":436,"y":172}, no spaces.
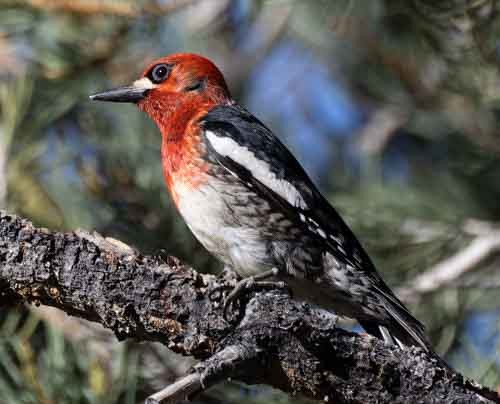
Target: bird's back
{"x":294,"y":227}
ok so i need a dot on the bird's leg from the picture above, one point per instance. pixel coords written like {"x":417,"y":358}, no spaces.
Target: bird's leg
{"x":230,"y":274}
{"x":229,"y":277}
{"x":250,"y":284}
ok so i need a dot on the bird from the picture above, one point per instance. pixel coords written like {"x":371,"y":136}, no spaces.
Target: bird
{"x":250,"y":203}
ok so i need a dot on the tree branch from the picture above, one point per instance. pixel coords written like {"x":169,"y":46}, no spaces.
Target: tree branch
{"x":278,"y":341}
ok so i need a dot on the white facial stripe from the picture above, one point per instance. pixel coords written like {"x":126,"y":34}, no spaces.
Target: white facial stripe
{"x":227,"y":147}
{"x":144,"y":84}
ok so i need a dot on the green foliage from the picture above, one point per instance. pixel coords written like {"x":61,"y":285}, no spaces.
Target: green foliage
{"x":39,"y":365}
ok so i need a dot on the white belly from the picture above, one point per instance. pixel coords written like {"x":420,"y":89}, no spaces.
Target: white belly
{"x":209,"y":217}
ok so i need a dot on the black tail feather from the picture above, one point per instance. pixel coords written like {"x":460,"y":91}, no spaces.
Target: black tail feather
{"x":397,"y":335}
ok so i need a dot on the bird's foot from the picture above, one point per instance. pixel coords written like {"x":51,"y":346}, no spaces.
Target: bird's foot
{"x":251,"y":284}
{"x":229,"y":274}
{"x":227,"y":279}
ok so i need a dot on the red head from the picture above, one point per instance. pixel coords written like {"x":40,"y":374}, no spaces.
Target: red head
{"x":176,"y":91}
{"x":173,"y":90}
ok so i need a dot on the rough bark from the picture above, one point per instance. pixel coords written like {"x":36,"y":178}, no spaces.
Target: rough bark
{"x":277,"y":341}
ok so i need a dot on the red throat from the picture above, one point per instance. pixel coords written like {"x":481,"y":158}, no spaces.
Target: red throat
{"x":177,"y":110}
{"x":182,"y":147}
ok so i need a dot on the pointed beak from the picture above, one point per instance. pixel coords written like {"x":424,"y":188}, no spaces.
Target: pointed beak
{"x":131,"y":93}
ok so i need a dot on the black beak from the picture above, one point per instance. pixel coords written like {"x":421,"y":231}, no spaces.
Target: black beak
{"x":121,"y":94}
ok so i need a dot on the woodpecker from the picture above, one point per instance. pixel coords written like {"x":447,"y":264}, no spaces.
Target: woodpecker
{"x":251,"y":204}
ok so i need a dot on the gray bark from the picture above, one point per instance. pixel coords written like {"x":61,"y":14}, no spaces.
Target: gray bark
{"x":277,"y":341}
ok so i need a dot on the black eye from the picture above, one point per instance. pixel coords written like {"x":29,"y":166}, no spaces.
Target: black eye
{"x":159,"y":73}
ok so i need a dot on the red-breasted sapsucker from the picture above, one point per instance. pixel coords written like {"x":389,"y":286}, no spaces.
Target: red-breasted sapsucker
{"x":250,"y":203}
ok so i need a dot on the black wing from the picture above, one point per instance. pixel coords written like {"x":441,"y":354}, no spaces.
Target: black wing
{"x":315,"y":214}
{"x":247,"y":131}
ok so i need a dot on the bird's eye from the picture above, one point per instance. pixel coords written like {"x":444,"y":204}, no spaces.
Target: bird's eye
{"x":159,"y":73}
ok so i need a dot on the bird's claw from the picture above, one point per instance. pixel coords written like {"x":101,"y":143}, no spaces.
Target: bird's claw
{"x":246,"y":286}
{"x":238,"y":290}
{"x":229,"y":279}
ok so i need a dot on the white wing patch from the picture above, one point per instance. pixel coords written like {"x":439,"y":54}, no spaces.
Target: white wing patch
{"x":227,"y":147}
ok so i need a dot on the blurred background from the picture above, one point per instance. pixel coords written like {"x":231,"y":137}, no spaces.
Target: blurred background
{"x":392,"y":106}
